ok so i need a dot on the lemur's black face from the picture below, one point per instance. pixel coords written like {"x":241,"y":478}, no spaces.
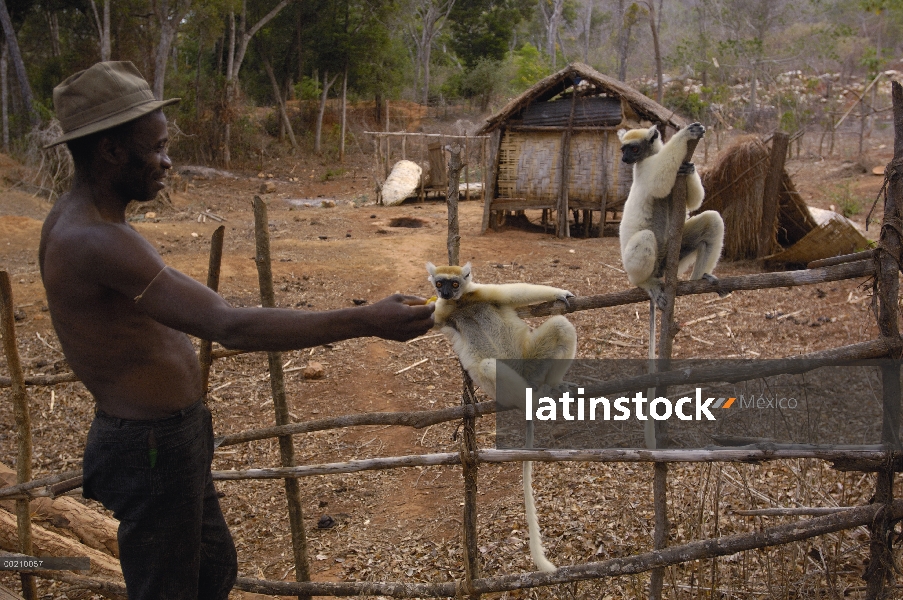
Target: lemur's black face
{"x":448,"y":289}
{"x":634,"y":151}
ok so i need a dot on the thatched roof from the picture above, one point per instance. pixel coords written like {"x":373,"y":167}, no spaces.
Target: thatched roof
{"x":556,"y":83}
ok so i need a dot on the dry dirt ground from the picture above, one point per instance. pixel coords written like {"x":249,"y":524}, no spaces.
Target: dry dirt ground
{"x":404,"y":524}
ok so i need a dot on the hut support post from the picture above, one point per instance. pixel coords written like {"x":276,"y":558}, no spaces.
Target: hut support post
{"x":492,"y":176}
{"x":879,"y":574}
{"x":771,"y":194}
{"x":23,"y":425}
{"x":564,"y":161}
{"x":280,"y":404}
{"x":205,"y":353}
{"x":668,"y":329}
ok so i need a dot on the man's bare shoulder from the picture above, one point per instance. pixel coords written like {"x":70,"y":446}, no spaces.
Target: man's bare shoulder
{"x":76,"y":238}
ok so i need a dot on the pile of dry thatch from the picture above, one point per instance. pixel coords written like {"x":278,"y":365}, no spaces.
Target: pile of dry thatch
{"x":734,"y":187}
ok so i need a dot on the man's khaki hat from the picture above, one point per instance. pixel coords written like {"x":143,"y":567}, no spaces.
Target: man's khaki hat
{"x":101,"y":97}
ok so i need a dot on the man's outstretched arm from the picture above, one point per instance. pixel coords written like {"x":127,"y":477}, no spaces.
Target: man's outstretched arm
{"x":180,"y":302}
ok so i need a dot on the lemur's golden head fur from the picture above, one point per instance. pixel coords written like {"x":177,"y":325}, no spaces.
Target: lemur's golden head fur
{"x":450,"y":281}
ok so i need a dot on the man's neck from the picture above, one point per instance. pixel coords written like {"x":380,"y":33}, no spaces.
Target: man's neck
{"x":98,"y":191}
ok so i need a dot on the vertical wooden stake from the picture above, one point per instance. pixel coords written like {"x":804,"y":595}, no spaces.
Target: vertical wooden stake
{"x":23,"y":425}
{"x":451,"y":199}
{"x":205,"y":353}
{"x":469,"y":467}
{"x":771,"y":195}
{"x":880,"y":571}
{"x":668,"y":329}
{"x":280,"y":404}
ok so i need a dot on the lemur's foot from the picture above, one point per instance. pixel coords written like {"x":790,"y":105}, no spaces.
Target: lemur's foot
{"x":657,"y":293}
{"x":686,"y":168}
{"x":714,"y":281}
{"x":696,"y":130}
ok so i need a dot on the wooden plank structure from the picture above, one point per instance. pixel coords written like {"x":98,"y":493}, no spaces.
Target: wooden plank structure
{"x":555,"y":147}
{"x":883,"y":264}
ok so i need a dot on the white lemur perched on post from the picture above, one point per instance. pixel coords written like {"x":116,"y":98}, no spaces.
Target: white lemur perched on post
{"x":645,"y":220}
{"x":646,"y":217}
{"x":481,"y":322}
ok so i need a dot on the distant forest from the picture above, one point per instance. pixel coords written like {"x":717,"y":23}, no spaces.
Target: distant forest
{"x":738,"y":58}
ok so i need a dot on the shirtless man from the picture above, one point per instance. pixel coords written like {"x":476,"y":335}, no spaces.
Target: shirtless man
{"x":122,"y":317}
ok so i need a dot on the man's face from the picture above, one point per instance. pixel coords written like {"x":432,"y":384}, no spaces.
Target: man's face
{"x":143,"y":174}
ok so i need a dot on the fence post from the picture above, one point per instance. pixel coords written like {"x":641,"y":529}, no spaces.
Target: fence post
{"x":205,"y":353}
{"x":23,"y":425}
{"x":668,"y":329}
{"x":280,"y":404}
{"x":771,"y":195}
{"x":879,"y":574}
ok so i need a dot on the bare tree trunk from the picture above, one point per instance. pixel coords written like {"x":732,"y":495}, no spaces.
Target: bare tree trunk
{"x":344,"y":116}
{"x":587,"y":30}
{"x":623,"y":39}
{"x":283,"y":114}
{"x":4,"y":93}
{"x":103,"y":28}
{"x":238,"y":45}
{"x":653,"y":24}
{"x":53,"y":24}
{"x":169,"y":14}
{"x":327,"y":83}
{"x":19,"y":65}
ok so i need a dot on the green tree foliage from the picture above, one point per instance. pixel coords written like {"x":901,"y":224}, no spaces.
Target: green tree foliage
{"x":483,"y":29}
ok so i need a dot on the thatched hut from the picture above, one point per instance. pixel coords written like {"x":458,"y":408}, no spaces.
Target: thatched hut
{"x":735,"y":187}
{"x":569,"y":118}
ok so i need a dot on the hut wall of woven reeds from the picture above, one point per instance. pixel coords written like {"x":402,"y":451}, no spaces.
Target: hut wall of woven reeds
{"x":735,"y":185}
{"x":569,"y":118}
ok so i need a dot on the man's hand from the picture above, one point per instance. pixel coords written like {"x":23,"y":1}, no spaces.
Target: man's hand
{"x":401,"y":317}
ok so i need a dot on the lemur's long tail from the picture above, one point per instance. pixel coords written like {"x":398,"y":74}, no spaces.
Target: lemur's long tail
{"x":537,"y":552}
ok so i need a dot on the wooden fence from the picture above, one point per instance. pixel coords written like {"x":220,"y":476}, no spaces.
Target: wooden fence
{"x":882,"y":265}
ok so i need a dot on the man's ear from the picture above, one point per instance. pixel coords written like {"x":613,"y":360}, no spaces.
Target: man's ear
{"x":110,"y":149}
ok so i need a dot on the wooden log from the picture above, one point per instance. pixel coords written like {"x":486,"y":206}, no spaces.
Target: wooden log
{"x":205,"y":353}
{"x":844,"y":258}
{"x":280,"y":403}
{"x":48,"y":543}
{"x":757,"y":281}
{"x":23,"y":425}
{"x":92,"y":528}
{"x":770,"y":195}
{"x":697,"y":550}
